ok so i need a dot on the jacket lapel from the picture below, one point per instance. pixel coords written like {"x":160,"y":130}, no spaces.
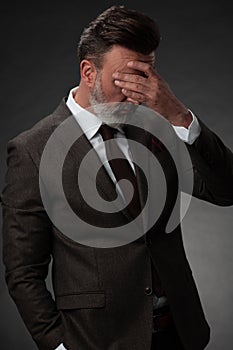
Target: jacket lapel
{"x":139,"y":135}
{"x":77,"y":153}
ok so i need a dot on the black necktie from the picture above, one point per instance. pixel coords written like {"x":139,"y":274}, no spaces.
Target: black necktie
{"x":121,"y":169}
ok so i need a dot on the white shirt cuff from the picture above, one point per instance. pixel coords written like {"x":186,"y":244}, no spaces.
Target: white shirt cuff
{"x":189,"y":134}
{"x":60,"y":347}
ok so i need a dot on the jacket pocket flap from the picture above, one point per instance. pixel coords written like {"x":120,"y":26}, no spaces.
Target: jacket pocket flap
{"x":81,"y":300}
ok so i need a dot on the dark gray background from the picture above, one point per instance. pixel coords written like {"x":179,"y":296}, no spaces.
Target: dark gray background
{"x":39,"y":66}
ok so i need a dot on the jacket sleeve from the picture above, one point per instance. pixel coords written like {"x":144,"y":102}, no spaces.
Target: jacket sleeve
{"x":27,"y":248}
{"x":212,"y":167}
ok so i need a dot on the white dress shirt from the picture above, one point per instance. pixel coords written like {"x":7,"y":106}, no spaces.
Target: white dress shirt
{"x":90,"y":124}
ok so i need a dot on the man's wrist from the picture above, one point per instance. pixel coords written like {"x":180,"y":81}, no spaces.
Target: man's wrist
{"x":190,"y":134}
{"x":183,"y":119}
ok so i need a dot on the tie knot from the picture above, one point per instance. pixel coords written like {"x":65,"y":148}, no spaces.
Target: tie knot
{"x":107,"y":132}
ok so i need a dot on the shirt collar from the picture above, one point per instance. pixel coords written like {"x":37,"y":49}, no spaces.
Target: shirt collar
{"x":88,"y":122}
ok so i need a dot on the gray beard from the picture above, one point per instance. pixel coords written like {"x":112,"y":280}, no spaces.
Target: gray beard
{"x":114,"y":114}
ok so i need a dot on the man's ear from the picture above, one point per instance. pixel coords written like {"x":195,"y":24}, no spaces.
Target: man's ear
{"x":88,"y":72}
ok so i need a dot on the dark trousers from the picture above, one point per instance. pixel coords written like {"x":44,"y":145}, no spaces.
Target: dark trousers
{"x":166,"y":340}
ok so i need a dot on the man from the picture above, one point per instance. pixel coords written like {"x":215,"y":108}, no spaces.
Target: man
{"x":139,"y":295}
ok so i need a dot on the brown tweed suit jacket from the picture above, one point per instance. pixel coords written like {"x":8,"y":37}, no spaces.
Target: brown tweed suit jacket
{"x":99,"y":300}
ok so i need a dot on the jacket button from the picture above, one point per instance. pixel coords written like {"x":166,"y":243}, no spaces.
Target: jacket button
{"x":148,"y":291}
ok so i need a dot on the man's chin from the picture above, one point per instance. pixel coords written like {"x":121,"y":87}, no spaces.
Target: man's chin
{"x":115,"y":114}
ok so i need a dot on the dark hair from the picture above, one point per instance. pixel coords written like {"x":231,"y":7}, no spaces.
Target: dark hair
{"x":118,"y":25}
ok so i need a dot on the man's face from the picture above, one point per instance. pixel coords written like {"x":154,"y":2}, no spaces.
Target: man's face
{"x":104,"y":89}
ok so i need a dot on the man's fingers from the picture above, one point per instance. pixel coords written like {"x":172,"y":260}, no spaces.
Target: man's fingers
{"x":135,"y":102}
{"x":133,"y":95}
{"x":141,"y":86}
{"x":133,"y":78}
{"x":130,"y":86}
{"x":144,"y":67}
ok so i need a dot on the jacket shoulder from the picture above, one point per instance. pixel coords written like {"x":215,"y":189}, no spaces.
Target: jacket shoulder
{"x":34,"y":139}
{"x":44,"y":125}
